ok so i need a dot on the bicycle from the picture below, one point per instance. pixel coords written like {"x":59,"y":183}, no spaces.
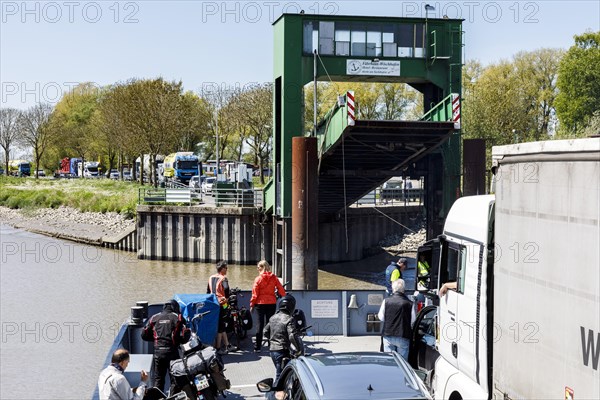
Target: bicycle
{"x":239,"y":318}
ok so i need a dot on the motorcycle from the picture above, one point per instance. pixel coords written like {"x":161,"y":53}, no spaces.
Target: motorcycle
{"x":267,"y":385}
{"x":302,"y":330}
{"x":199,"y":371}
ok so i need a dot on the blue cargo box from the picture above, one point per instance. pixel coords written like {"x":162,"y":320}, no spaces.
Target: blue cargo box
{"x":193,"y":304}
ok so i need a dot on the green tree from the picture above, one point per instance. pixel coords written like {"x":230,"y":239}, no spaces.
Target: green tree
{"x":222,"y":123}
{"x":397,"y":100}
{"x":326,"y":99}
{"x":195,"y":125}
{"x":494,"y":104}
{"x":112,"y":134}
{"x":368,"y":100}
{"x":538,"y":71}
{"x":9,"y":132}
{"x":579,"y":83}
{"x":254,"y":111}
{"x":110,"y":120}
{"x":374,"y":101}
{"x":34,"y":125}
{"x":511,"y":100}
{"x":152,"y":114}
{"x":72,"y":122}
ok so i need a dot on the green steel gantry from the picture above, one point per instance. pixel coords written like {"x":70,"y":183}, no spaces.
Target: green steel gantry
{"x":424,"y":53}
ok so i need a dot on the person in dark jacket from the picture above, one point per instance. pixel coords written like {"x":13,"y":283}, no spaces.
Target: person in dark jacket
{"x":281,"y":333}
{"x":167,"y":330}
{"x":396,"y":313}
{"x":394,"y":272}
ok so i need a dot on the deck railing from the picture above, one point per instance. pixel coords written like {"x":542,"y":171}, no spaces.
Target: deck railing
{"x":392,"y":197}
{"x":218,"y":197}
{"x":238,"y":197}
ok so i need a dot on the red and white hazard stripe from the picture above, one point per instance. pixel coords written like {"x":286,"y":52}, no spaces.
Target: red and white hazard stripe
{"x":456,"y":110}
{"x":350,"y":102}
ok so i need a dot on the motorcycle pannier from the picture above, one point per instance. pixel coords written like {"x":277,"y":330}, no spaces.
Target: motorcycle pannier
{"x":246,"y":318}
{"x":201,"y":362}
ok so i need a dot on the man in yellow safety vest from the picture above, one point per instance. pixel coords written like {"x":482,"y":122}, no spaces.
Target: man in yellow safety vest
{"x":423,"y":272}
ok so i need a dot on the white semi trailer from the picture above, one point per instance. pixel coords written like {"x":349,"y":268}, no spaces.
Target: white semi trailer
{"x":524,"y":319}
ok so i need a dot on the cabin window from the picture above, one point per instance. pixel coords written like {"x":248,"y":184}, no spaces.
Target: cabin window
{"x":454,"y":259}
{"x":342,"y":39}
{"x":462,"y":264}
{"x":310,"y":37}
{"x":326,"y":36}
{"x":363,"y":39}
{"x":358,"y":38}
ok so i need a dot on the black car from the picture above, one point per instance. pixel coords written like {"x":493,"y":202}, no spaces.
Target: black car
{"x":359,"y":375}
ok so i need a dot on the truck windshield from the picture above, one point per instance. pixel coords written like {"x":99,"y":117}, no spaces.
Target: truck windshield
{"x":93,"y":169}
{"x":187,"y":165}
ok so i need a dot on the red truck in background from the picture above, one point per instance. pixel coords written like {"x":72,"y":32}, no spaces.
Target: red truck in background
{"x":65,"y":170}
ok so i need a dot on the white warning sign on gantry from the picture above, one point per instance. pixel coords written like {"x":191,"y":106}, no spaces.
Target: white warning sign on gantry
{"x":324,"y":308}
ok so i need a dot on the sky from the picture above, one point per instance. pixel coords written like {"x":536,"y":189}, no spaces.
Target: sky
{"x":48,"y":47}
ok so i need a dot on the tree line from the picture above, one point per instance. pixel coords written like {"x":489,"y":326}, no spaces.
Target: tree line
{"x":537,"y":94}
{"x":546,"y":92}
{"x":121,"y":122}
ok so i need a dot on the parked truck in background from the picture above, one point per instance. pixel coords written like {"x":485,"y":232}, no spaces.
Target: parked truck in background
{"x":181,"y":166}
{"x":524,"y":320}
{"x":88,"y":169}
{"x":144,"y":166}
{"x":64,"y":170}
{"x":74,"y":167}
{"x":19,"y":168}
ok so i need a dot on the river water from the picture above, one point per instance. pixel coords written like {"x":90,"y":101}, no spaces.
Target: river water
{"x":62,"y":304}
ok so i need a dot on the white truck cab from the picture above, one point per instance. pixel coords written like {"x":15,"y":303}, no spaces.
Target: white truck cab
{"x":524,"y":320}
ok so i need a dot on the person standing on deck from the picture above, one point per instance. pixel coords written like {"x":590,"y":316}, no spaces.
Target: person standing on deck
{"x":396,"y":314}
{"x":219,"y":286}
{"x":393,"y":272}
{"x":264,"y":299}
{"x":167,"y":330}
{"x":282,"y":334}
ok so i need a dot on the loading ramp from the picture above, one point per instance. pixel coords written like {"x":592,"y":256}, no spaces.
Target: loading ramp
{"x":369,"y":153}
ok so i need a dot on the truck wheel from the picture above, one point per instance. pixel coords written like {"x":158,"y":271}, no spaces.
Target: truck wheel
{"x":455,"y":396}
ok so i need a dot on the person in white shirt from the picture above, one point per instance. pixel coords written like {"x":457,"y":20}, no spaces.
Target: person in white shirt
{"x":112,"y":385}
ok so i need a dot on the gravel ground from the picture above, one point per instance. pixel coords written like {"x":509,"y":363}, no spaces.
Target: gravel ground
{"x":67,"y":222}
{"x":404,"y":243}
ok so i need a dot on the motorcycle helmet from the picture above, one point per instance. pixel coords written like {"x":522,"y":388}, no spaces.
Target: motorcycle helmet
{"x":174,"y":305}
{"x":287,"y":304}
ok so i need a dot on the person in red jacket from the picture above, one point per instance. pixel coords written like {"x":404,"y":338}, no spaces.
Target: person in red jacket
{"x":263,"y":298}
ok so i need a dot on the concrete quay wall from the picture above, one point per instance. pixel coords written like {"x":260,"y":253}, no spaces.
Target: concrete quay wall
{"x":244,"y":235}
{"x":366,"y":227}
{"x":202,"y":234}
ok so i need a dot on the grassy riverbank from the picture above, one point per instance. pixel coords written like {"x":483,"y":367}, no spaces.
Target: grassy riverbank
{"x":94,"y":195}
